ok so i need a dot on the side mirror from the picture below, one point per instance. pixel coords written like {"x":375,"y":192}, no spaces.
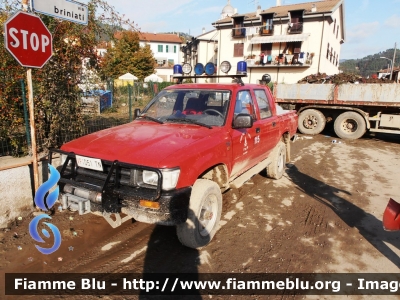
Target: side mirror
{"x":242,"y":121}
{"x":136,"y":113}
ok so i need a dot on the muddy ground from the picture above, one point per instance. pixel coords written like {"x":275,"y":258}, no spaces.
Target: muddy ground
{"x":324,"y":215}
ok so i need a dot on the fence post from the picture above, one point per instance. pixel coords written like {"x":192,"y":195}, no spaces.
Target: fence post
{"x":130,"y":102}
{"x":110,"y":87}
{"x":28,"y":138}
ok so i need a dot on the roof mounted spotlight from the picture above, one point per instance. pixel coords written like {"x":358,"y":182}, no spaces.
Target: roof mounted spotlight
{"x":178,"y":70}
{"x":210,"y":68}
{"x":241,"y":68}
{"x":225,"y":66}
{"x":199,"y":69}
{"x":186,"y":68}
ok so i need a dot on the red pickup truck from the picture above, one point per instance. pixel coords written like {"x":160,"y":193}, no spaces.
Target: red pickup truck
{"x":172,"y":163}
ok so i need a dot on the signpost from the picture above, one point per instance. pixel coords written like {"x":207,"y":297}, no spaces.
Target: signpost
{"x":31,"y":44}
{"x":68,"y":10}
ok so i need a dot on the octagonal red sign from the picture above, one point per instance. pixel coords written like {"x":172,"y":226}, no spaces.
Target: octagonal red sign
{"x":28,"y":40}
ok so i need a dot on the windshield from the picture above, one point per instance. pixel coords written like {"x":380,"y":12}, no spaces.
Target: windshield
{"x":208,"y":107}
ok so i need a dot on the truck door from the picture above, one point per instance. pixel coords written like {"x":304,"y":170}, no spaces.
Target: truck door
{"x":244,"y":147}
{"x":268,"y":124}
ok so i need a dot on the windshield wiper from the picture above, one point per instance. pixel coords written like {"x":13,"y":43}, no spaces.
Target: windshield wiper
{"x":191,"y":121}
{"x":151,"y":119}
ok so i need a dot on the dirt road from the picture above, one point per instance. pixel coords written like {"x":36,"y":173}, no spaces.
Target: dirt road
{"x":323,"y":216}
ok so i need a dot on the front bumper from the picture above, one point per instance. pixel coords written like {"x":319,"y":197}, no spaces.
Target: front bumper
{"x":113,"y":192}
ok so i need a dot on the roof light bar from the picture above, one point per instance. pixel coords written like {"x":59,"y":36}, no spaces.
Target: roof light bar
{"x":178,"y":70}
{"x":186,"y":68}
{"x":241,"y":68}
{"x":225,"y":66}
{"x":210,"y":68}
{"x":199,"y":69}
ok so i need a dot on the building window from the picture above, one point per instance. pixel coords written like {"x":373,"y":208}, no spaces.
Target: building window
{"x":160,"y":48}
{"x":267,"y":24}
{"x":296,"y":22}
{"x":266,"y":48}
{"x":174,"y":49}
{"x":334,"y":27}
{"x":337,"y":32}
{"x":238,"y":50}
{"x":330,"y":59}
{"x":327,"y":52}
{"x":239,"y":30}
{"x":337,"y":59}
{"x":166,"y":48}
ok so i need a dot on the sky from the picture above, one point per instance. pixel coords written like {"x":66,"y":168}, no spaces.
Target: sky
{"x":371,"y":25}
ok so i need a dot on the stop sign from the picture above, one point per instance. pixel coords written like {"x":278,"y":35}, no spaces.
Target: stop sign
{"x":28,"y":40}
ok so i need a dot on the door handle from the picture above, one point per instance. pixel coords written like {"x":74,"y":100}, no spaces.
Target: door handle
{"x":258,"y":130}
{"x":273,"y":124}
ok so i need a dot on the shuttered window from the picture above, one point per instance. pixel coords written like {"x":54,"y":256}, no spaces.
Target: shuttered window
{"x":238,"y":50}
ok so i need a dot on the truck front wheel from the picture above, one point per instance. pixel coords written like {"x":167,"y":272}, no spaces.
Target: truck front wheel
{"x":204,"y":214}
{"x":350,"y":125}
{"x":311,"y":121}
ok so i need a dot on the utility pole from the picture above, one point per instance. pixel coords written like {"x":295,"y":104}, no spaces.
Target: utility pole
{"x":394,"y":57}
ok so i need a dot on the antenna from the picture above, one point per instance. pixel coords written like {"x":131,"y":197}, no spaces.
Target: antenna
{"x":255,"y":2}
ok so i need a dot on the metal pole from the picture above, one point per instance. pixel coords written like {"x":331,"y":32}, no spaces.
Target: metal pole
{"x":130,"y":102}
{"x":394,"y":58}
{"x":28,"y":137}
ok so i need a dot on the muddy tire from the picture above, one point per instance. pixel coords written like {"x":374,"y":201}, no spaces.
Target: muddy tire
{"x":276,"y":169}
{"x":350,"y":125}
{"x":311,"y":121}
{"x":204,"y":214}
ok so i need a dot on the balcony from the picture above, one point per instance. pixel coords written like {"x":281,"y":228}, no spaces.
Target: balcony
{"x":284,"y":61}
{"x":239,"y":32}
{"x":266,"y":30}
{"x":295,"y":28}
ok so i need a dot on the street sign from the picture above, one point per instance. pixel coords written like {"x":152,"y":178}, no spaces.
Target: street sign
{"x":28,"y":40}
{"x":64,"y":9}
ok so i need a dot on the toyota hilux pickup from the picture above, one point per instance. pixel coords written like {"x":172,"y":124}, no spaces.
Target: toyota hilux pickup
{"x":172,"y":163}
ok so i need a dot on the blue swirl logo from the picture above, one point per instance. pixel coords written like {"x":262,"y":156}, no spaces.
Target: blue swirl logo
{"x":46,"y":204}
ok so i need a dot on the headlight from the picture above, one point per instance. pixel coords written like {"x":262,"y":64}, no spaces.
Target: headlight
{"x":170,"y":178}
{"x":150,"y":177}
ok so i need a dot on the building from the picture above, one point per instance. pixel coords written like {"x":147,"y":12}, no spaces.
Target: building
{"x":385,"y":73}
{"x":296,"y":40}
{"x":166,"y":50}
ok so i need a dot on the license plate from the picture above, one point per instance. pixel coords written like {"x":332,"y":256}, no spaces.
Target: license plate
{"x":89,"y":163}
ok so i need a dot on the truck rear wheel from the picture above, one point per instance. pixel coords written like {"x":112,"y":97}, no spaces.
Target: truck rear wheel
{"x":350,"y":125}
{"x":311,"y":121}
{"x":204,"y":214}
{"x":276,"y":169}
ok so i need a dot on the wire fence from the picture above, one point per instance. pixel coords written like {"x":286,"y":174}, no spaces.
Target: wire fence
{"x":96,"y":117}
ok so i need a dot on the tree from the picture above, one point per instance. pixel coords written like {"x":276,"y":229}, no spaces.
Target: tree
{"x":127,"y":56}
{"x":56,"y":93}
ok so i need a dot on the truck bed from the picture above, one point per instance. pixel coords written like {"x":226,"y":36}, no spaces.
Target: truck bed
{"x":344,"y":94}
